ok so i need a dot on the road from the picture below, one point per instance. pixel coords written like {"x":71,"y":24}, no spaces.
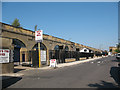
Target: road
{"x":101,"y":73}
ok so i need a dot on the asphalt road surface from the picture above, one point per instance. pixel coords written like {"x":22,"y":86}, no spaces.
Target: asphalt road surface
{"x":101,"y":73}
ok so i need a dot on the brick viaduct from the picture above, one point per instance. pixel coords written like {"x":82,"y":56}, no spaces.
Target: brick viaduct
{"x":10,"y":33}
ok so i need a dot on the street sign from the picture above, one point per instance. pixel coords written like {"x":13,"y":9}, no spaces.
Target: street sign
{"x":4,"y":55}
{"x":53,"y":63}
{"x":39,"y":36}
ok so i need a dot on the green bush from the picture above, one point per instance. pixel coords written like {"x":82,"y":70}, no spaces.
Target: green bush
{"x":118,"y":51}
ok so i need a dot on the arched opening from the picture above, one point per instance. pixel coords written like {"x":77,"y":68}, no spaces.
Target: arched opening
{"x":56,"y":47}
{"x":18,"y":46}
{"x":58,"y":53}
{"x":42,"y":46}
{"x":66,"y":48}
{"x":18,"y":43}
{"x":35,"y":55}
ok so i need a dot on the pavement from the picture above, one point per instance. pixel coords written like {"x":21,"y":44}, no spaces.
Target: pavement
{"x":23,"y":68}
{"x":77,"y":62}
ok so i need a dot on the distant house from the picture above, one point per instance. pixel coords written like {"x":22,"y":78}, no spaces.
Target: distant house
{"x":85,"y":50}
{"x":112,"y":50}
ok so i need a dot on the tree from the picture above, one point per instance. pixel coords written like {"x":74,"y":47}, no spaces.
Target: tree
{"x":16,"y":23}
{"x":117,"y":50}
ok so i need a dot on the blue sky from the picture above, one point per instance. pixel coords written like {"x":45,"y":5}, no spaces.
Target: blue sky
{"x":93,"y":24}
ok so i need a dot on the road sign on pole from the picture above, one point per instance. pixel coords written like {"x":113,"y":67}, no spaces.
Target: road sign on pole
{"x":39,"y":38}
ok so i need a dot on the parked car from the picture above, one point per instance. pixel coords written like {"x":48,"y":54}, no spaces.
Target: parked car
{"x":118,"y":55}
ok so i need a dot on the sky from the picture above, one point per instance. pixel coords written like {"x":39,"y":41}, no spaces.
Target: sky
{"x":93,"y":24}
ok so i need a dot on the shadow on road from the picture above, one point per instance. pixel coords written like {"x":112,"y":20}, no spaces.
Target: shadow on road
{"x":117,"y":60}
{"x":17,"y":70}
{"x":115,"y":74}
{"x":103,"y":84}
{"x":9,"y":81}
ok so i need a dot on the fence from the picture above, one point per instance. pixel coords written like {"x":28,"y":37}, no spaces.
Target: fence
{"x":61,"y":55}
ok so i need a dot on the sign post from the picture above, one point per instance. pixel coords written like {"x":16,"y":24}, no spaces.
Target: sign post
{"x":39,"y":54}
{"x":39,"y":38}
